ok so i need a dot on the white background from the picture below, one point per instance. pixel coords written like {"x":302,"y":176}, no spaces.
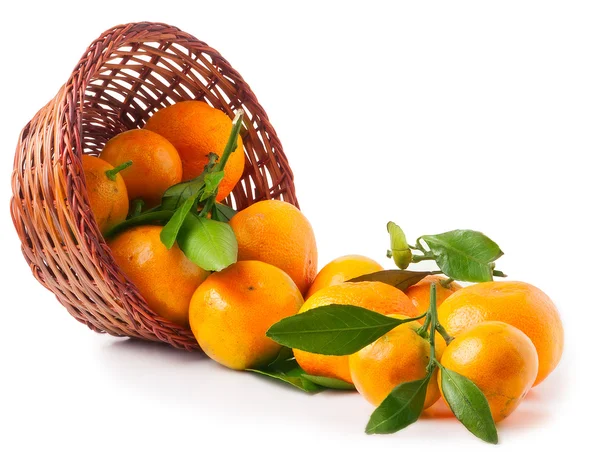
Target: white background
{"x":438,"y":115}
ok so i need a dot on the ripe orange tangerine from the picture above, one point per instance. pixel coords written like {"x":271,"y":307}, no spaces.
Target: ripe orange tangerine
{"x":500,"y":359}
{"x":197,"y":129}
{"x":108,"y":198}
{"x":232,"y":310}
{"x":400,"y":356}
{"x":341,"y":270}
{"x":517,"y":303}
{"x":156,"y":163}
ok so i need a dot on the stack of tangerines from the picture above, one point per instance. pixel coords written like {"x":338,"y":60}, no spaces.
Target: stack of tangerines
{"x":504,"y":336}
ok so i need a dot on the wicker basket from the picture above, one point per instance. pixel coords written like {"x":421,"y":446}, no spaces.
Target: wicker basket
{"x":125,"y":76}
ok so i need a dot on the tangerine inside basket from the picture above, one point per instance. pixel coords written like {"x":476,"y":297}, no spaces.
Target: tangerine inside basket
{"x":125,"y":76}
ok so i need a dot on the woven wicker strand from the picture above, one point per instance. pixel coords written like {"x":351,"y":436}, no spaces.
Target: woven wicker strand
{"x":125,"y":76}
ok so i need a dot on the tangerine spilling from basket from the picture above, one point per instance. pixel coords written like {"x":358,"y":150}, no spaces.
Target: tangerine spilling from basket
{"x":247,"y":285}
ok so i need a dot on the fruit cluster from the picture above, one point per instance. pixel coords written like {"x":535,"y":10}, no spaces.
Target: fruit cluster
{"x":246,"y":283}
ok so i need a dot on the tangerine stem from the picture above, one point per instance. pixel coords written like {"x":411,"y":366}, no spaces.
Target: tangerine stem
{"x":418,"y":258}
{"x":446,"y":282}
{"x":138,"y":204}
{"x":112,"y":174}
{"x":434,"y":322}
{"x":208,"y":206}
{"x":442,"y":331}
{"x":423,"y":328}
{"x":232,"y":141}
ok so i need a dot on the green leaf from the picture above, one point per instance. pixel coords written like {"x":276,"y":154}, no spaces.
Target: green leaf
{"x":176,"y":195}
{"x":223,"y":213}
{"x":332,"y":330}
{"x":401,"y":408}
{"x":464,"y":254}
{"x":400,"y":250}
{"x":330,"y":383}
{"x":469,"y":405}
{"x":395,"y":277}
{"x":284,"y":355}
{"x":211,"y":183}
{"x":168,"y":234}
{"x":149,"y":217}
{"x":285,"y":368}
{"x":210,"y":244}
{"x":136,"y":208}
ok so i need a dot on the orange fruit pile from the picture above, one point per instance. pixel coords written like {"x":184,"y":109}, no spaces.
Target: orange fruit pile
{"x":517,"y":303}
{"x":506,"y":337}
{"x":173,"y":146}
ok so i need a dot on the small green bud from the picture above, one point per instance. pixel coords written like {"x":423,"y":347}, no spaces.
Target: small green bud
{"x":400,"y":250}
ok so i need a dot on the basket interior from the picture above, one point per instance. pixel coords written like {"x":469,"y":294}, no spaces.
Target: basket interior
{"x":134,"y":81}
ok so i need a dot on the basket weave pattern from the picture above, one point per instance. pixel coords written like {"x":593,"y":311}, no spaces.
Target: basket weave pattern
{"x":125,"y":76}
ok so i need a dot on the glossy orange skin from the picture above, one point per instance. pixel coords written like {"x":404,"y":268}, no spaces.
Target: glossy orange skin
{"x":196,"y":130}
{"x":277,"y":233}
{"x":341,"y":270}
{"x":108,"y":199}
{"x":232,"y":310}
{"x":165,"y":278}
{"x":375,"y":296}
{"x":500,"y":359}
{"x":399,"y":356}
{"x":517,"y":303}
{"x":156,"y":163}
{"x":419,"y":292}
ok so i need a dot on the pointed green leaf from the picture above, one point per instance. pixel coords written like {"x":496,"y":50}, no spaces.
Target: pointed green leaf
{"x":469,"y":405}
{"x":400,"y":250}
{"x":284,"y":355}
{"x":176,"y":195}
{"x":223,"y":213}
{"x":330,"y":383}
{"x":285,"y":368}
{"x":149,"y":217}
{"x":210,"y":244}
{"x":168,"y":234}
{"x":464,"y":254}
{"x":395,"y":277}
{"x":332,"y":330}
{"x":401,"y":407}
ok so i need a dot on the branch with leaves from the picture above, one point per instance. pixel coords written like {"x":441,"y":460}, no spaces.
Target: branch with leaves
{"x":465,"y":255}
{"x":344,"y":330}
{"x":191,"y":215}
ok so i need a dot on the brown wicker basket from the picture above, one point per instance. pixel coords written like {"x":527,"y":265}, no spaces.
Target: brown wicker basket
{"x":126,"y":75}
